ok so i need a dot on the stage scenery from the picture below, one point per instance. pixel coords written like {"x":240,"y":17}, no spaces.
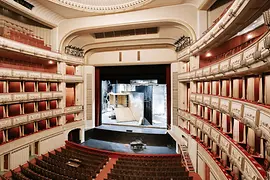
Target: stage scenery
{"x":136,"y":103}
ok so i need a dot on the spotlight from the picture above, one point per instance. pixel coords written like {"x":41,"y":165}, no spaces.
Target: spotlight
{"x":50,"y":62}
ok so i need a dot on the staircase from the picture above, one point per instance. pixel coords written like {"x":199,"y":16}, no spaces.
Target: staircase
{"x":186,"y":158}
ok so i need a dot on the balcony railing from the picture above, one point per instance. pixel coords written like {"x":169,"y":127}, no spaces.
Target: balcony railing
{"x":6,"y":98}
{"x":219,"y":170}
{"x":28,"y":75}
{"x":35,"y":51}
{"x":253,"y":114}
{"x":227,"y":19}
{"x":23,"y":141}
{"x":241,"y":158}
{"x":73,"y":78}
{"x":251,"y":58}
{"x":26,"y":118}
{"x":73,"y":109}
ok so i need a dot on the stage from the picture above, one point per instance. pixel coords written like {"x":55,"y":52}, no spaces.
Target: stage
{"x":118,"y":138}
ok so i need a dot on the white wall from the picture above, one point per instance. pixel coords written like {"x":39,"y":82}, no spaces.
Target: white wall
{"x":19,"y":157}
{"x":51,"y":143}
{"x":201,"y":168}
{"x":129,"y":57}
{"x":89,"y":95}
{"x":192,"y":149}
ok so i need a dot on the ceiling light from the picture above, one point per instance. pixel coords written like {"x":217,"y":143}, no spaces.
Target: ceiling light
{"x":208,"y":54}
{"x":50,"y":62}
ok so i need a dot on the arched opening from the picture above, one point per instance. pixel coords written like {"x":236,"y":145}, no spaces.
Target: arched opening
{"x":74,"y":136}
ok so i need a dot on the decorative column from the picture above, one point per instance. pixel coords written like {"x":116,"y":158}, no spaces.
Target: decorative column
{"x":261,"y":89}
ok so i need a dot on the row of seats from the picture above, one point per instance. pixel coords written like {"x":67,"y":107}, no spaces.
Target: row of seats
{"x":93,"y":170}
{"x":55,"y":163}
{"x":113,"y":176}
{"x":69,"y":172}
{"x":149,"y":168}
{"x":33,"y":175}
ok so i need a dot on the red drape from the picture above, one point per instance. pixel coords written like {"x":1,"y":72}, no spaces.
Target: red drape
{"x":168,"y":83}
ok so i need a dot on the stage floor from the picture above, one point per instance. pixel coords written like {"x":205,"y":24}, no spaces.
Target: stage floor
{"x":117,"y":138}
{"x":135,"y":129}
{"x":118,"y":147}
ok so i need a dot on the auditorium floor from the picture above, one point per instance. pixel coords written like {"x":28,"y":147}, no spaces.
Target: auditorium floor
{"x":118,"y":147}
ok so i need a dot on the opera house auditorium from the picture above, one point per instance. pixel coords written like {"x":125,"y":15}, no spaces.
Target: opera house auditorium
{"x":134,"y":89}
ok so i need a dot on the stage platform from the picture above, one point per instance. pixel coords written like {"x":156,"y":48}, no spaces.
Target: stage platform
{"x":118,"y":139}
{"x":134,"y":129}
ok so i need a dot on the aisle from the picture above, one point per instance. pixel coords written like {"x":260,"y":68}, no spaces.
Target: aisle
{"x":106,"y":169}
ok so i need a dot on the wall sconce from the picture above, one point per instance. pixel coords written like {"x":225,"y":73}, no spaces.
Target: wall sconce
{"x":249,"y":36}
{"x":208,"y":54}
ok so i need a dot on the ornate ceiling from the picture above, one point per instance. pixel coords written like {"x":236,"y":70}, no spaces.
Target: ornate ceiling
{"x":102,"y":6}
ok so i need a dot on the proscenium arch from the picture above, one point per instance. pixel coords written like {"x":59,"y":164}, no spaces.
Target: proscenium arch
{"x":183,"y":14}
{"x":170,"y":31}
{"x":71,"y":35}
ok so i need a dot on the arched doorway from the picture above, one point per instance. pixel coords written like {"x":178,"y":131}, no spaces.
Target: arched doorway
{"x":74,"y":136}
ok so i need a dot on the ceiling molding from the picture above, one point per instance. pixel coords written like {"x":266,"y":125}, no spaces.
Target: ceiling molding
{"x":103,"y":7}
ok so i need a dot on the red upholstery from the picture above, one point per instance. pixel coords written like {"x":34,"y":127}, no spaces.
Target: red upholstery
{"x":41,"y":125}
{"x":53,"y":104}
{"x":53,"y":122}
{"x":13,"y":133}
{"x":53,"y":87}
{"x":70,"y":118}
{"x":42,"y":87}
{"x":1,"y":86}
{"x":70,"y":70}
{"x":42,"y":106}
{"x":29,"y":129}
{"x":1,"y":112}
{"x":14,"y":110}
{"x":70,"y":95}
{"x":14,"y":86}
{"x":29,"y":86}
{"x":29,"y":108}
